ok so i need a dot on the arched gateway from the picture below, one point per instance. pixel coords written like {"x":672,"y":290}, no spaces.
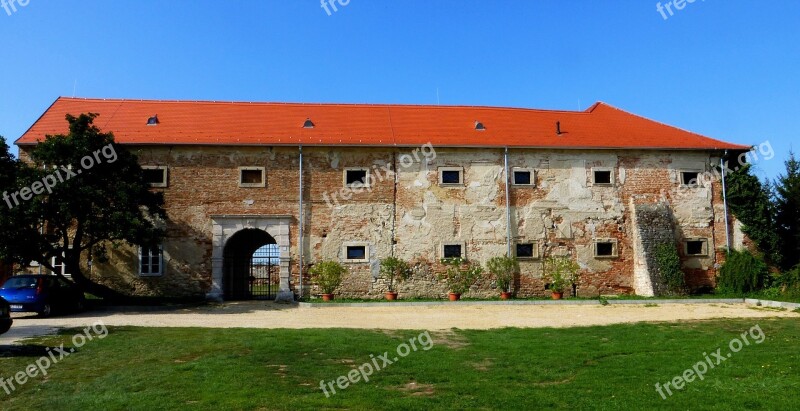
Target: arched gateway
{"x":250,"y":258}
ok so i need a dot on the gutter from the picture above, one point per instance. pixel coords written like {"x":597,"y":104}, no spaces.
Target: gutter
{"x":508,"y":205}
{"x":300,"y":229}
{"x":725,"y":202}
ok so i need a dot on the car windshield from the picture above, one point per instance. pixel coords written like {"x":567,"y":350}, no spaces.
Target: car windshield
{"x":20,"y":282}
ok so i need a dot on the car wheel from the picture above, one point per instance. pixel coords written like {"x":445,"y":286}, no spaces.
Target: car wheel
{"x":46,"y":311}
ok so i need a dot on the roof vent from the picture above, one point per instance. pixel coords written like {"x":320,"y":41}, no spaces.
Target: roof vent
{"x":558,"y":128}
{"x":308,"y":123}
{"x":479,"y":126}
{"x":153,"y":121}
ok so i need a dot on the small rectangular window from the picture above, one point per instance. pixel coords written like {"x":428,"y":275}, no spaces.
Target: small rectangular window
{"x":355,"y":252}
{"x":451,"y":251}
{"x":451,"y":176}
{"x":356,"y":177}
{"x":526,"y":250}
{"x":522,"y":177}
{"x":60,"y":267}
{"x":602,"y":177}
{"x":690,"y":178}
{"x":150,"y":261}
{"x":155,"y":176}
{"x":696,"y":247}
{"x":252,"y":177}
{"x":605,"y":248}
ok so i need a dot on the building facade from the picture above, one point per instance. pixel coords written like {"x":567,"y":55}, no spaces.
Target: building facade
{"x":257,"y":192}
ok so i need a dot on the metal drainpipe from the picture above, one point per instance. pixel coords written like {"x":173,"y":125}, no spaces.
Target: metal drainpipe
{"x":300,"y":229}
{"x":725,"y":202}
{"x":508,"y":205}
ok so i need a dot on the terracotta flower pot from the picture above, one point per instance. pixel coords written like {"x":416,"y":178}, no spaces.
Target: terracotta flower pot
{"x":454,"y":296}
{"x":505,"y":295}
{"x":327,"y":297}
{"x":391,"y":296}
{"x":557,"y":296}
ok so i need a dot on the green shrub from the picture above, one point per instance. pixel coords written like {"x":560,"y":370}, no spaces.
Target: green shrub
{"x":742,"y":273}
{"x":327,"y":275}
{"x":789,"y":282}
{"x":562,"y":272}
{"x":503,"y":269}
{"x":394,"y":270}
{"x":668,"y":266}
{"x":461,"y":274}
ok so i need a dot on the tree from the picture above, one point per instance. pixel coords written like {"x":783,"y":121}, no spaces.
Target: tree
{"x":751,"y":203}
{"x":79,"y":194}
{"x":787,"y":204}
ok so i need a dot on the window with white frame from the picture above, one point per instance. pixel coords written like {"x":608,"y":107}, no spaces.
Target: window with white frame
{"x":252,"y":177}
{"x":602,"y":176}
{"x":156,"y":176}
{"x":523,"y":177}
{"x":59,"y":267}
{"x":151,"y":261}
{"x":690,"y":178}
{"x":452,"y":250}
{"x":606,"y":248}
{"x":527,"y":251}
{"x":451,"y":176}
{"x":355,"y":252}
{"x":357,"y":177}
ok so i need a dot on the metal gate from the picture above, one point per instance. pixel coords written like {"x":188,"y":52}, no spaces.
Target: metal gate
{"x":264,"y":277}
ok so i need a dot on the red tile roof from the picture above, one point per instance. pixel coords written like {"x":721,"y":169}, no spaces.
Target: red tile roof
{"x":235,"y":123}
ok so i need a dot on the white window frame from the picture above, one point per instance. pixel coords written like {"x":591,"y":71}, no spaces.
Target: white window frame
{"x":357,"y":184}
{"x":524,"y":170}
{"x":686,"y":242}
{"x":535,"y":245}
{"x":160,"y":263}
{"x":165,"y":181}
{"x":63,"y":265}
{"x":263,"y":182}
{"x":614,"y":247}
{"x":460,"y":170}
{"x":610,"y":170}
{"x":348,"y":244}
{"x":697,"y":183}
{"x":462,"y":244}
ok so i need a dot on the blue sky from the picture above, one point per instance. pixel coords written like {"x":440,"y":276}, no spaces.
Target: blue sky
{"x":726,"y":69}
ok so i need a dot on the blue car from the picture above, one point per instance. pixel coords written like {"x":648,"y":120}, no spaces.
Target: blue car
{"x":5,"y":316}
{"x":42,"y":294}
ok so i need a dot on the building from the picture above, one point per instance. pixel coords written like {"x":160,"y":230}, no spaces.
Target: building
{"x":356,"y":183}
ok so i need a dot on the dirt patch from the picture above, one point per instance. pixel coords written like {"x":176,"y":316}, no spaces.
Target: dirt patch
{"x":415,"y":389}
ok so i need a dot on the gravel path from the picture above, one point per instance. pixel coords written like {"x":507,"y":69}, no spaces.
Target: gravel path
{"x":439,"y":317}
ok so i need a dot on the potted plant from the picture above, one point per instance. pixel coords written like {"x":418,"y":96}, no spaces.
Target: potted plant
{"x":561,"y":272}
{"x":461,"y":274}
{"x":394,"y":270}
{"x":504,"y":268}
{"x":328,"y":276}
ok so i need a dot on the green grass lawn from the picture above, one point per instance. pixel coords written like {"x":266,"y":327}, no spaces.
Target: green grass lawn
{"x":611,"y":367}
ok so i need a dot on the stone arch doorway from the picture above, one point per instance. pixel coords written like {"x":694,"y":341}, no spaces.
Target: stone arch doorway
{"x":251,"y":266}
{"x":238,"y":237}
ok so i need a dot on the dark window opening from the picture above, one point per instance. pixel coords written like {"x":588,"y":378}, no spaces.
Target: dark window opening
{"x":696,"y":247}
{"x":452,"y":251}
{"x":252,"y":177}
{"x":357,"y":252}
{"x":690,"y":178}
{"x":150,"y":261}
{"x":356,"y":177}
{"x":451,"y":177}
{"x":523,"y":178}
{"x":524,"y":250}
{"x":155,"y":176}
{"x":602,"y":177}
{"x":605,"y":249}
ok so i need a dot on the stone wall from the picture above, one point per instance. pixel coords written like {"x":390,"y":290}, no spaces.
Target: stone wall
{"x":407,"y":213}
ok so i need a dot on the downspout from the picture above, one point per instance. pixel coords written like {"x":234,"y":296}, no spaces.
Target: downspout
{"x":300,"y":229}
{"x":395,"y":177}
{"x":725,"y":202}
{"x":508,"y":206}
